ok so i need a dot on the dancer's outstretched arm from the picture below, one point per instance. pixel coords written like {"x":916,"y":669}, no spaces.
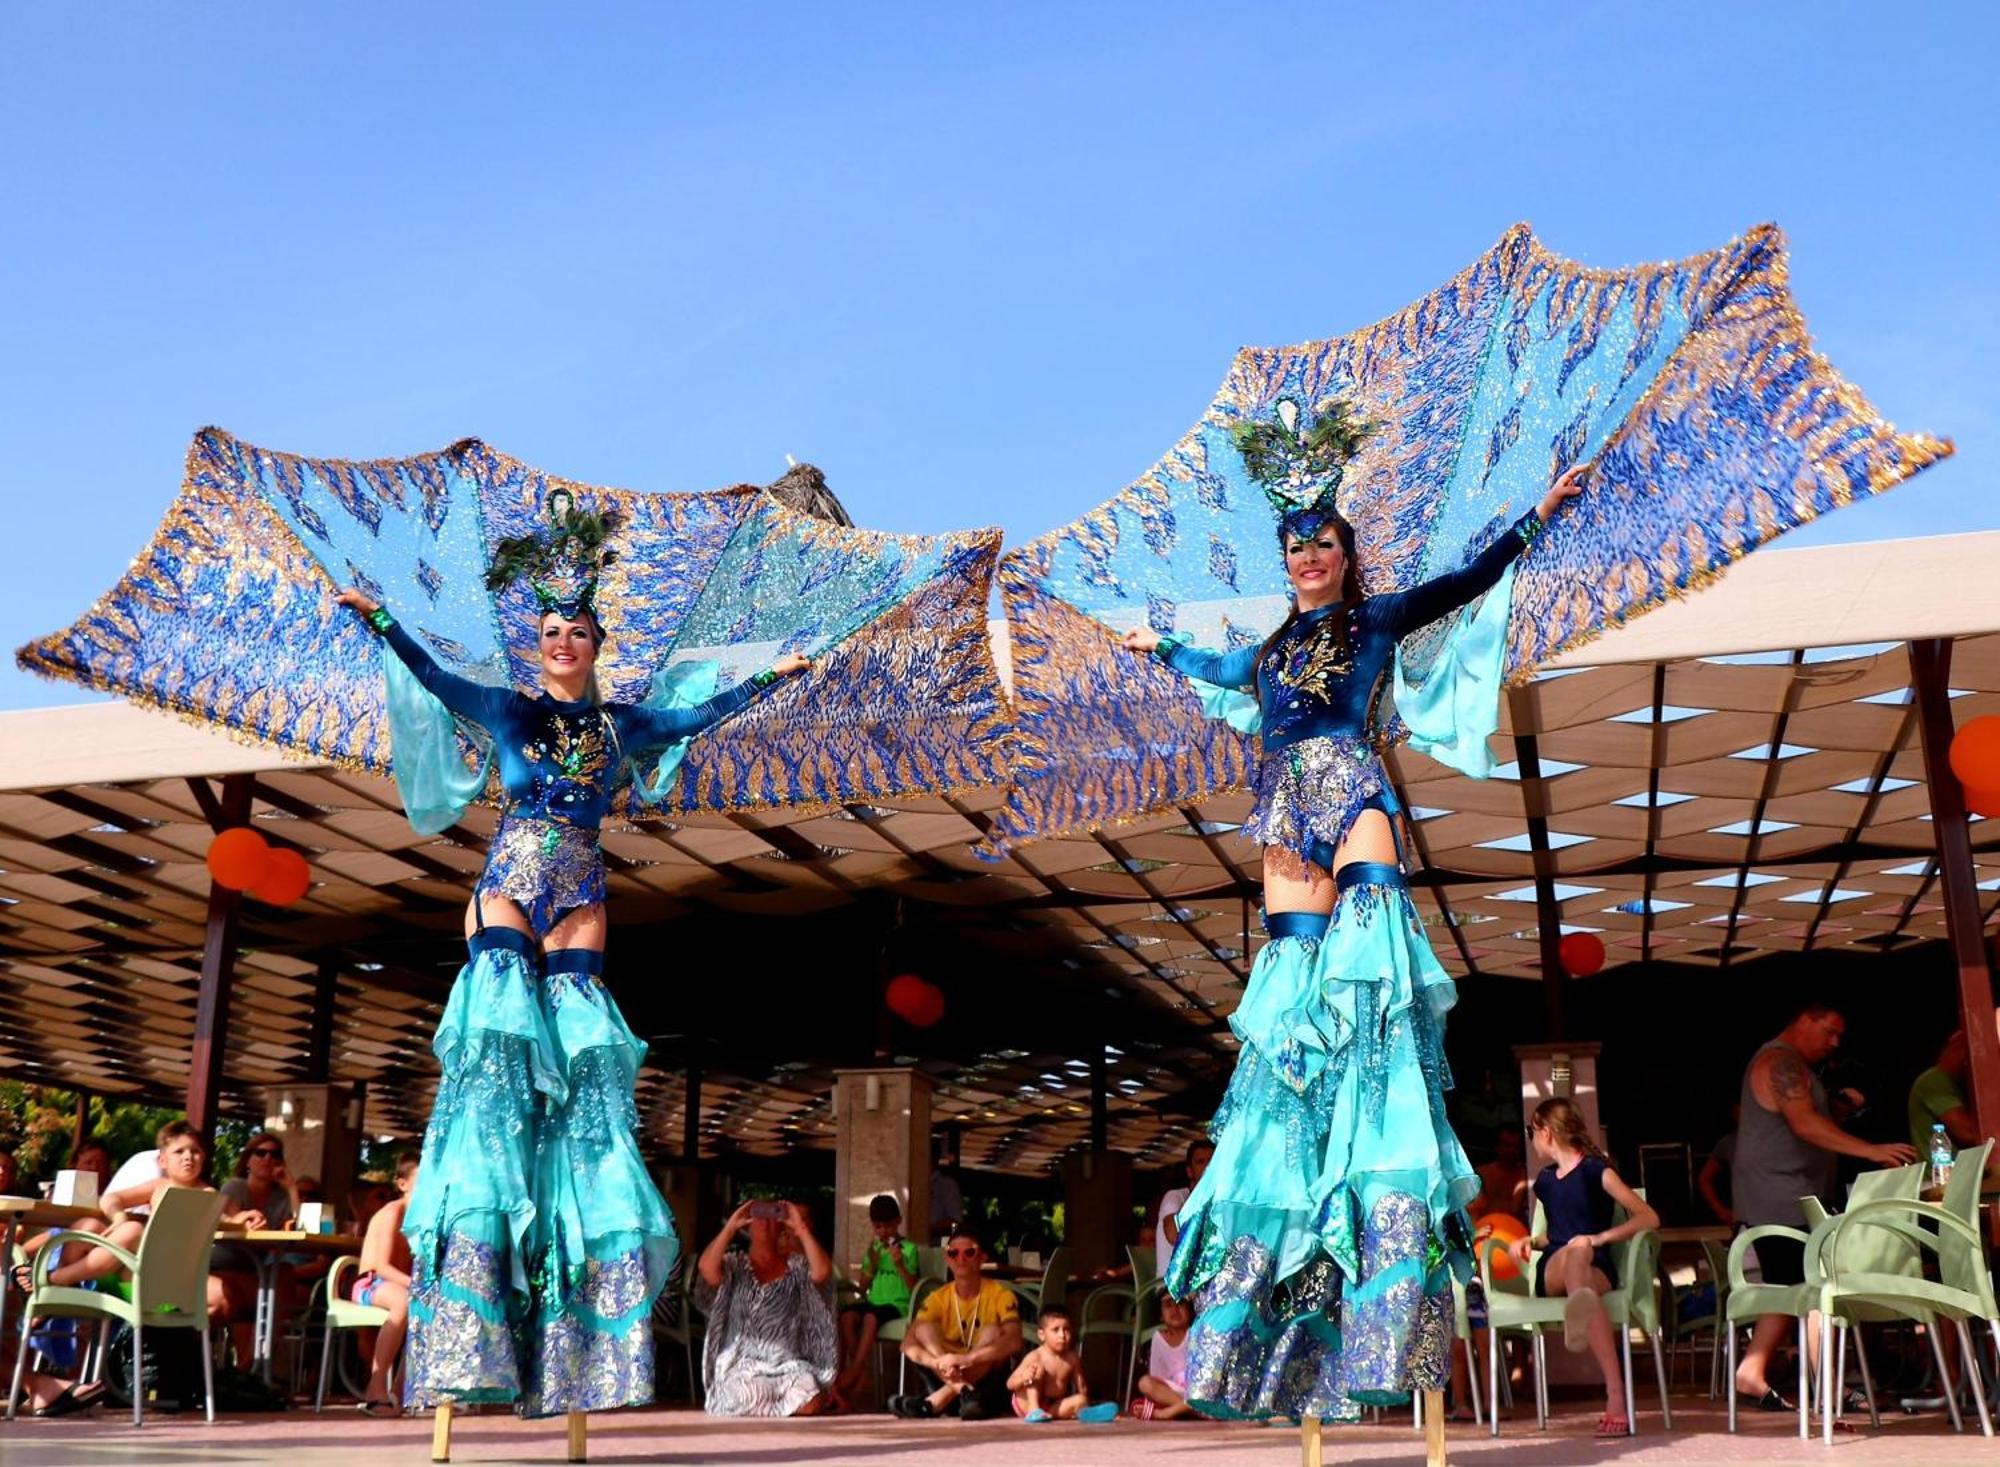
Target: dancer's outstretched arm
{"x":652,"y":728}
{"x":1403,"y":611}
{"x":476,"y":701}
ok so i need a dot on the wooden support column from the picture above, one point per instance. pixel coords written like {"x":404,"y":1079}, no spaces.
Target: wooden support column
{"x":319,"y":1039}
{"x":1548,"y":911}
{"x":218,"y":973}
{"x":81,"y":1130}
{"x":1930,"y":671}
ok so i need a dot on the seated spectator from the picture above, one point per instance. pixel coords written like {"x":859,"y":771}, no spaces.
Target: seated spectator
{"x":1578,"y":1191}
{"x":1162,"y":1390}
{"x":1713,"y":1182}
{"x":1199,"y":1154}
{"x":1503,"y":1181}
{"x":962,"y":1339}
{"x":92,"y":1156}
{"x":1938,"y":1099}
{"x":1048,"y":1384}
{"x":384,"y":1282}
{"x":309,"y":1190}
{"x":261,"y":1185}
{"x":888,"y":1278}
{"x":182,"y":1160}
{"x":45,"y":1394}
{"x":771,"y":1349}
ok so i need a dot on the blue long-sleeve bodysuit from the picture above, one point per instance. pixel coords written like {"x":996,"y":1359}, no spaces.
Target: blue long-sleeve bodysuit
{"x":561,"y":763}
{"x":1315,"y":690}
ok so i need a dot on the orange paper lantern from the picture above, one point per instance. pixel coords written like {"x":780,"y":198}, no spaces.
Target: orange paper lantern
{"x":1503,"y":1228}
{"x":286,"y":877}
{"x":1975,"y":753}
{"x":1582,"y":953}
{"x":238,"y":858}
{"x":915,"y":1002}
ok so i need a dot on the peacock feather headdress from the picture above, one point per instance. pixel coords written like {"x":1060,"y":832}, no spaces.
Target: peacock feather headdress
{"x":562,"y":564}
{"x":1299,"y":460}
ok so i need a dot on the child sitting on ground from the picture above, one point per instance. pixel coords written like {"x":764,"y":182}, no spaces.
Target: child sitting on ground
{"x":888,"y":1275}
{"x":1162,"y":1390}
{"x":1048,"y":1384}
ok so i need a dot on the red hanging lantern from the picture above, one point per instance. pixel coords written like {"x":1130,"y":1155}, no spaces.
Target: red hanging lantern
{"x":238,"y":858}
{"x":1975,"y":754}
{"x":915,"y":1002}
{"x":1582,"y":953}
{"x":286,"y":878}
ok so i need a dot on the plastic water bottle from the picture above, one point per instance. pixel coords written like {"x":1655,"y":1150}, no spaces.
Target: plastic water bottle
{"x":1941,"y":1156}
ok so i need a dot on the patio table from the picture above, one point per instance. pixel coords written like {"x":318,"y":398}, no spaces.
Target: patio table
{"x":268,"y":1248}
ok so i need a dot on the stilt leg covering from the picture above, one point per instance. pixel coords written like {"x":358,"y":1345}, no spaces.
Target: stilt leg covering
{"x":472,"y":1210}
{"x":1321,"y":1242}
{"x":604,"y":1241}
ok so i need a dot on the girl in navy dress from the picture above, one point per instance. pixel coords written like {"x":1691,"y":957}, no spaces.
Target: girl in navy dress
{"x":1579,"y":1194}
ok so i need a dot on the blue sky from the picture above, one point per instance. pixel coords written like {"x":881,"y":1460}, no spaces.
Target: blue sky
{"x":982,"y":264}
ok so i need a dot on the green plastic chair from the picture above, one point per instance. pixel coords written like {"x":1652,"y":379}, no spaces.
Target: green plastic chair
{"x":1053,"y":1287}
{"x":1747,"y":1300}
{"x":681,"y":1328}
{"x":169,"y":1288}
{"x":1632,"y":1305}
{"x":930,"y":1262}
{"x":342,"y":1313}
{"x":1146,"y":1266}
{"x":1108,"y":1310}
{"x":898,"y":1330}
{"x":1870,"y":1266}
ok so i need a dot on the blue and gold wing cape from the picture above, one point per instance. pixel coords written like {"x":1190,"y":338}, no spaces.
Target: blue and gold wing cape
{"x":1691,"y":385}
{"x":227,"y":619}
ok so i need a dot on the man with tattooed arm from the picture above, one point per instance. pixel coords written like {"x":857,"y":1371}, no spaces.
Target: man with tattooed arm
{"x":1784,"y":1146}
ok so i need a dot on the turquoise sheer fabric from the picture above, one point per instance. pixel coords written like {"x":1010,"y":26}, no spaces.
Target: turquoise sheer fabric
{"x":428,"y":762}
{"x":1454,"y":709}
{"x":684,"y":685}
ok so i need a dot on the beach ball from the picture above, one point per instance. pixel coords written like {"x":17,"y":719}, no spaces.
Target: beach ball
{"x":1503,"y":1228}
{"x":1975,"y":754}
{"x":238,"y":858}
{"x":285,"y":880}
{"x":1582,"y":953}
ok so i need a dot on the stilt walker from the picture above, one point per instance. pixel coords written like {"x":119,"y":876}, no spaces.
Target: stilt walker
{"x":1321,"y":1243}
{"x":539,"y":1241}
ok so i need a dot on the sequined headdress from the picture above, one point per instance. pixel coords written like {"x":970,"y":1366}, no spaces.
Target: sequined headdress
{"x":1299,"y":460}
{"x":563,"y":563}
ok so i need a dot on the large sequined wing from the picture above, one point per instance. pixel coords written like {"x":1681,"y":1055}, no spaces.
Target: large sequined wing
{"x":1692,"y":386}
{"x":226,"y":617}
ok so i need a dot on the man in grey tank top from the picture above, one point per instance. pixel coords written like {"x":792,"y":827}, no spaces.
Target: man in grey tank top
{"x":1784,"y":1144}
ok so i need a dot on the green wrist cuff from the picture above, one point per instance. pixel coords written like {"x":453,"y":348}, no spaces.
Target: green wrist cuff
{"x":765,"y":678}
{"x":1529,"y":526}
{"x":1166,"y":646}
{"x":379,"y":620}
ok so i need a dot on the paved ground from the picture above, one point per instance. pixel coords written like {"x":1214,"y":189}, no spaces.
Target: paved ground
{"x":300,"y":1439}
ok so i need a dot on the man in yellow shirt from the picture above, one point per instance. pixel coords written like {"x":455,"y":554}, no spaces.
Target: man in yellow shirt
{"x":963,"y":1339}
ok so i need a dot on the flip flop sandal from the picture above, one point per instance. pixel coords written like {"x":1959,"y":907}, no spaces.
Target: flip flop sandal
{"x":1609,"y":1426}
{"x":1099,"y":1413}
{"x":1037,"y":1416}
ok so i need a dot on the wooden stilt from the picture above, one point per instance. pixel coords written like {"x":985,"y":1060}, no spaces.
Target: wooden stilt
{"x":1309,"y":1454}
{"x":441,"y":1432}
{"x":1434,"y":1455}
{"x":579,"y":1436}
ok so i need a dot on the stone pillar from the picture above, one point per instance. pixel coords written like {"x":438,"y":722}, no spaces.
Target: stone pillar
{"x":319,"y":1139}
{"x":882,"y":1120}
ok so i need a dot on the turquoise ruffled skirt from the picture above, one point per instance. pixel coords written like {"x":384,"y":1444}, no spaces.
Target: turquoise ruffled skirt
{"x":538,"y":1241}
{"x":1320,"y":1245}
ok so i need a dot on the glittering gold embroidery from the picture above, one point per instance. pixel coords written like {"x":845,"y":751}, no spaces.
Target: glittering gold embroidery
{"x":1310,"y":665}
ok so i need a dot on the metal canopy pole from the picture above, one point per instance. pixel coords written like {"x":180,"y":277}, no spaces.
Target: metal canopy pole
{"x":218,"y":972}
{"x":1930,"y":671}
